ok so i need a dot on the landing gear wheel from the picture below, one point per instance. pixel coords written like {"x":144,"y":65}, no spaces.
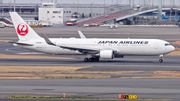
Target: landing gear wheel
{"x":91,"y":59}
{"x":160,"y":60}
{"x":86,"y":59}
{"x":96,"y":59}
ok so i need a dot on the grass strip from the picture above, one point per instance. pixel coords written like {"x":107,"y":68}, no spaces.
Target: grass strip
{"x":57,"y":97}
{"x":54,"y":72}
{"x":76,"y":98}
{"x":5,"y":40}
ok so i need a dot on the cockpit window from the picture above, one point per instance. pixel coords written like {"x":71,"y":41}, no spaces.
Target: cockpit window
{"x":167,"y":44}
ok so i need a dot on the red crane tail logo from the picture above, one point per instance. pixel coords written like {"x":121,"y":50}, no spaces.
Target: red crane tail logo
{"x":22,"y":29}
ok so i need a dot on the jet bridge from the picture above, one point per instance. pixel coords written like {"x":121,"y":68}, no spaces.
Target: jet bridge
{"x":143,"y":12}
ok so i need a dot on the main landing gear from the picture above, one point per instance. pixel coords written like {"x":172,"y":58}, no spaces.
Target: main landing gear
{"x":161,"y":58}
{"x":92,"y":59}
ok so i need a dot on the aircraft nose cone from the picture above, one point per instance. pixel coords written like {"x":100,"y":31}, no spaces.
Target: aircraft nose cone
{"x":172,"y":48}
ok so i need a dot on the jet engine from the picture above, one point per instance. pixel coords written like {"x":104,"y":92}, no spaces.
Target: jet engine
{"x":106,"y":54}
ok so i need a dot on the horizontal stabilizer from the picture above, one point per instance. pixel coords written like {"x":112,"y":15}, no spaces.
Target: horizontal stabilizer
{"x":23,"y":44}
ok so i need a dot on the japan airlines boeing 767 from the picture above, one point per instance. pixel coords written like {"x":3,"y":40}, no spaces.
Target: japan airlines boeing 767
{"x":93,"y":48}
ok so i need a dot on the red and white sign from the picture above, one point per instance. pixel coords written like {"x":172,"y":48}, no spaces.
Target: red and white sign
{"x":22,"y":29}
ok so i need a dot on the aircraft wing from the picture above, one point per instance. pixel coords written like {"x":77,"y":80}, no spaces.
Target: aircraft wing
{"x":82,"y":49}
{"x":81,"y":35}
{"x":86,"y":50}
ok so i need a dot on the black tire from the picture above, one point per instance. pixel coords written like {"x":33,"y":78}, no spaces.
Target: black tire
{"x":96,"y":59}
{"x":86,"y":59}
{"x":90,"y":59}
{"x":160,"y":60}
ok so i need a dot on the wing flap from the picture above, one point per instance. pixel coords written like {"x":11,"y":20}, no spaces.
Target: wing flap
{"x":81,"y":49}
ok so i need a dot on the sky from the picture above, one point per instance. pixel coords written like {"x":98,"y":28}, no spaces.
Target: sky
{"x":149,"y":2}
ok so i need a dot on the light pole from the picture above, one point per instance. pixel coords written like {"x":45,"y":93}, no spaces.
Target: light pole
{"x":160,"y":9}
{"x":132,"y":3}
{"x":14,"y":5}
{"x":171,"y":9}
{"x":104,"y":7}
{"x":144,"y":2}
{"x":91,"y":9}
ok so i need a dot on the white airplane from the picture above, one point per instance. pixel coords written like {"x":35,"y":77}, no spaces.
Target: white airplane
{"x":94,"y":48}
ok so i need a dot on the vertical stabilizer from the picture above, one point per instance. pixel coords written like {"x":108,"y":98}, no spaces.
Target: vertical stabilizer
{"x":23,"y":30}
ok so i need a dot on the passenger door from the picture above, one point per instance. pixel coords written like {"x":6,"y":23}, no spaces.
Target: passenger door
{"x":156,"y":45}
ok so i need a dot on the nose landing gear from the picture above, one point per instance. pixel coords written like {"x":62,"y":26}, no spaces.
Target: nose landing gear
{"x":161,"y":58}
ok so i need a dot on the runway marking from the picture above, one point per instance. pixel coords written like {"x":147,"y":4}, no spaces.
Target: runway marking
{"x":5,"y":40}
{"x":139,"y":65}
{"x":29,"y":56}
{"x":10,"y":50}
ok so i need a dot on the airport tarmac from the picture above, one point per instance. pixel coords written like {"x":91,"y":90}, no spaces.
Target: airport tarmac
{"x":137,"y":63}
{"x":105,"y":88}
{"x":165,"y":33}
{"x":53,"y":100}
{"x":145,"y":88}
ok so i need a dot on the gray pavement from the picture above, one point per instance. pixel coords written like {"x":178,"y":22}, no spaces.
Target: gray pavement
{"x":145,"y":88}
{"x":127,"y":64}
{"x":166,"y":33}
{"x":52,"y":100}
{"x":140,"y":63}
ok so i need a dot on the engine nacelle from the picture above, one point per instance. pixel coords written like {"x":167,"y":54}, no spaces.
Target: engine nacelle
{"x":106,"y":54}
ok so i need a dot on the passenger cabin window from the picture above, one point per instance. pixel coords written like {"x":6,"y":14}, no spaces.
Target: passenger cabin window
{"x":167,"y":44}
{"x":56,"y":11}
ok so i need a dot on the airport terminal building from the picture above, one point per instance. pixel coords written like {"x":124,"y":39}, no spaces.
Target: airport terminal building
{"x":50,"y":12}
{"x":59,"y":14}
